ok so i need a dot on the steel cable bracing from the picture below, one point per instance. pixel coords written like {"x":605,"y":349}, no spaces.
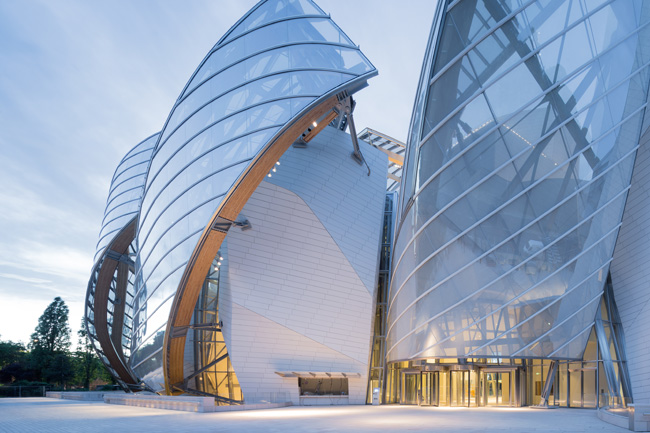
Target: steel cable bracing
{"x":515,"y":191}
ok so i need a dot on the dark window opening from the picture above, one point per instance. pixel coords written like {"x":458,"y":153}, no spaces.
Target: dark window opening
{"x":323,"y":386}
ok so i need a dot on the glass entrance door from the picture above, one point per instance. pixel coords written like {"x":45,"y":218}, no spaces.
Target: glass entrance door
{"x":459,"y":385}
{"x":499,"y":389}
{"x":410,"y":388}
{"x":429,"y":393}
{"x":463,"y":388}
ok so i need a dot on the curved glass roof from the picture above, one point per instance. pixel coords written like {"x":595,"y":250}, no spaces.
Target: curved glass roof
{"x":278,"y":62}
{"x":125,"y":192}
{"x":519,"y":161}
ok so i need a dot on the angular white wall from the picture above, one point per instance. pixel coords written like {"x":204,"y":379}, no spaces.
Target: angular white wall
{"x":631,"y":274}
{"x":297,"y":290}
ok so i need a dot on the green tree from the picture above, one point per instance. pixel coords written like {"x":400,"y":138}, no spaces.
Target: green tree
{"x":50,"y":339}
{"x":14,"y":362}
{"x":52,"y":334}
{"x":88,"y":364}
{"x":11,"y":352}
{"x":60,"y":369}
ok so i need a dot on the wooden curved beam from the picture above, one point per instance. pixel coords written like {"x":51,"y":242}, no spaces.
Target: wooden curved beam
{"x":112,"y":350}
{"x":212,"y":237}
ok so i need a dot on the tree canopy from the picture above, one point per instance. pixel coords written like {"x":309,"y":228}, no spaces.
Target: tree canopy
{"x":53,"y":332}
{"x":48,"y":357}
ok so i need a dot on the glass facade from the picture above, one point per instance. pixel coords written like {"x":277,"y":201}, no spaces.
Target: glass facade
{"x":519,"y":159}
{"x":377,"y":372}
{"x":110,"y":328}
{"x":281,"y":61}
{"x":494,"y":286}
{"x":213,"y":373}
{"x":125,"y":193}
{"x":474,"y":382}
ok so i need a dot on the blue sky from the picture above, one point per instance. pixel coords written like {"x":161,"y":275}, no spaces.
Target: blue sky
{"x":81,"y":82}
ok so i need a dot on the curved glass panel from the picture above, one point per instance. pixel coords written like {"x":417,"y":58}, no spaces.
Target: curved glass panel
{"x":111,"y":334}
{"x":521,"y":162}
{"x":126,"y":189}
{"x":281,"y":60}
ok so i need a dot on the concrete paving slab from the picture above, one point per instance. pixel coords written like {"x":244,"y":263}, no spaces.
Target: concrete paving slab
{"x":30,"y":415}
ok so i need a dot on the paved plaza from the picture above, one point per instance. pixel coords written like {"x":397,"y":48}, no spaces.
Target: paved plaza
{"x":29,"y":415}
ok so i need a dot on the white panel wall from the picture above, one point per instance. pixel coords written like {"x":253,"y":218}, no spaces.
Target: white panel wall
{"x":339,"y":191}
{"x":293,"y":295}
{"x":631,"y":274}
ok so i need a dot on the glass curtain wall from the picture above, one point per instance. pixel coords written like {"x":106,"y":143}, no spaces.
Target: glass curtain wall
{"x":519,"y":161}
{"x":377,"y":356}
{"x":213,"y":373}
{"x":277,"y":62}
{"x":122,"y":206}
{"x":598,"y":379}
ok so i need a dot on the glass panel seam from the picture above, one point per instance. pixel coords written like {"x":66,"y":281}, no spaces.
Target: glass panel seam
{"x":144,"y":261}
{"x":112,"y":199}
{"x":187,"y":189}
{"x":146,"y":321}
{"x":165,"y":137}
{"x":153,"y":270}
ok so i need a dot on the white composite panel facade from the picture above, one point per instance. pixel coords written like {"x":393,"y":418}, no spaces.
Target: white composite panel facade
{"x":295,"y":295}
{"x":520,"y":155}
{"x":631,"y":274}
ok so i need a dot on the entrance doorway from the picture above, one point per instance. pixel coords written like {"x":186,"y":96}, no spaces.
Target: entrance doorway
{"x":411,"y":383}
{"x":463,"y":388}
{"x":499,"y":388}
{"x":422,"y":388}
{"x":430,"y":383}
{"x":486,"y":386}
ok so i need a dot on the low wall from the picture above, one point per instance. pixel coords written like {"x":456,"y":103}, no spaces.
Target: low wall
{"x":324,"y":400}
{"x":184,"y":403}
{"x":81,"y":395}
{"x":635,"y":418}
{"x":639,"y":417}
{"x":610,"y":417}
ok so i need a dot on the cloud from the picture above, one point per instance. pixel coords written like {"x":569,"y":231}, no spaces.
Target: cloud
{"x":83,"y":82}
{"x":24,"y":278}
